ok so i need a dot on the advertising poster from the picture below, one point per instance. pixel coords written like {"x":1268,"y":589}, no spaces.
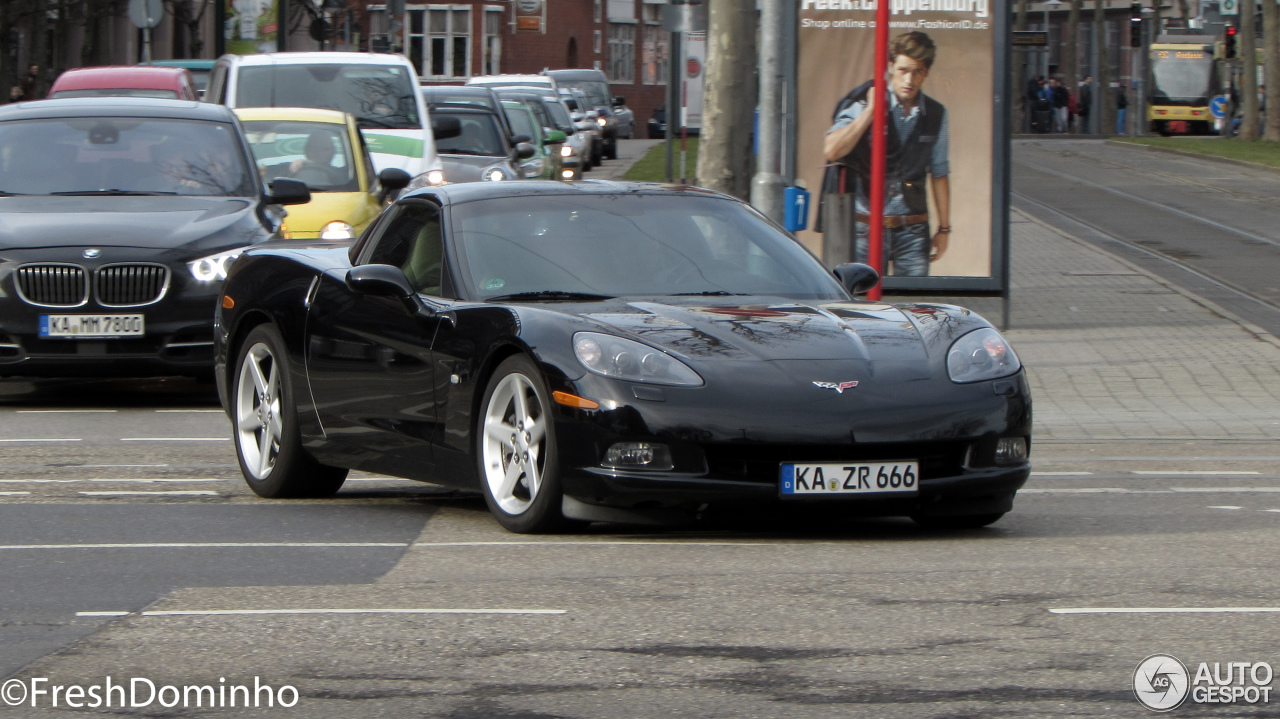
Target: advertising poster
{"x":251,"y":26}
{"x":942,"y":157}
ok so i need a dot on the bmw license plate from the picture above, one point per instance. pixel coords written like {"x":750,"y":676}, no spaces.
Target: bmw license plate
{"x":95,"y":326}
{"x":841,"y":478}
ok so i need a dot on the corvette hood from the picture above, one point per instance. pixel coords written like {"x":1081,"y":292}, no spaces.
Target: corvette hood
{"x":157,"y":222}
{"x":860,"y":333}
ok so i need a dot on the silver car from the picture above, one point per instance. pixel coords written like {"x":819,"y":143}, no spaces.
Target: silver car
{"x":482,"y":151}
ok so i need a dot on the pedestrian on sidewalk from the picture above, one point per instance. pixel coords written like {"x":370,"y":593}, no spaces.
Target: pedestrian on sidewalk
{"x":1122,"y":105}
{"x":15,"y":93}
{"x":1061,"y":106}
{"x":1084,"y":102}
{"x":31,"y":83}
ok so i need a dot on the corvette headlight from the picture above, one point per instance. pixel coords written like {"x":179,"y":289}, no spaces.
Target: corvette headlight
{"x":496,"y":174}
{"x":631,"y":361}
{"x":981,"y":355}
{"x":337,"y":230}
{"x":214,"y":267}
{"x":435,"y":177}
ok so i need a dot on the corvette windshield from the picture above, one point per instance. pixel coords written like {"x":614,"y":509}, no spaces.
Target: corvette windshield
{"x":620,"y":245}
{"x":122,"y":155}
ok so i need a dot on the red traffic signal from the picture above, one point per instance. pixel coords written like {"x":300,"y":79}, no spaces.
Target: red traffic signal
{"x":1229,"y":43}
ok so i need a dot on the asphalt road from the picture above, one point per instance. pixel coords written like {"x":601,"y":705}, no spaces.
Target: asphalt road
{"x":1207,"y":226}
{"x":732,"y":618}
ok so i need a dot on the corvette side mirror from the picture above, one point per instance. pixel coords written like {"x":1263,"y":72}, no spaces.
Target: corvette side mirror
{"x":857,"y":278}
{"x":384,"y":281}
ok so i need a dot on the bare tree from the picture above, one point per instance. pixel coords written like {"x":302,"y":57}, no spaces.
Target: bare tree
{"x":1271,"y":66}
{"x":1249,"y":129}
{"x":1071,"y":59}
{"x":1105,"y":102}
{"x":729,"y":100}
{"x":1019,"y":74}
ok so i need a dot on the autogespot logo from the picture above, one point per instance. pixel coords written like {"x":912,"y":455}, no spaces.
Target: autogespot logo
{"x":1160,"y":682}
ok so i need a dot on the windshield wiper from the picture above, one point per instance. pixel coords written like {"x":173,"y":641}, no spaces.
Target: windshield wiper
{"x":549,"y":295}
{"x":710,"y":293}
{"x":6,"y":193}
{"x":113,"y":192}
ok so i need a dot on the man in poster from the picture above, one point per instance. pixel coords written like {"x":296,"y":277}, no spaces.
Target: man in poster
{"x":918,"y":143}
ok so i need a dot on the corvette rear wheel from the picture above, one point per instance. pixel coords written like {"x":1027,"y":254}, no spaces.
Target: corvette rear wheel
{"x":518,"y":463}
{"x":268,"y":445}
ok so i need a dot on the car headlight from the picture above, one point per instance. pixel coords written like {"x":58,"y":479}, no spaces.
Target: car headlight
{"x":566,"y":151}
{"x":214,"y":267}
{"x":436,"y":177}
{"x":981,"y":355}
{"x":631,"y":361}
{"x":495,"y":174}
{"x":337,"y":230}
{"x":601,"y":121}
{"x":532,"y":168}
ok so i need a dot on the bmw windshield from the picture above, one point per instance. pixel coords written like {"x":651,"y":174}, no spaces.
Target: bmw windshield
{"x":380,"y":96}
{"x":122,"y":156}
{"x":627,"y":245}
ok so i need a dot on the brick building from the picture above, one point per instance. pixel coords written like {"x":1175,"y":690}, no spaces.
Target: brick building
{"x":450,"y":42}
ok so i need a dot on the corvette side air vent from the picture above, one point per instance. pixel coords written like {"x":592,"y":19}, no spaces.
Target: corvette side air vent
{"x":53,"y":285}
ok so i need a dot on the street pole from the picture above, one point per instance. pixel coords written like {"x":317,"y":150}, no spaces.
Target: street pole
{"x":879,"y":136}
{"x":674,"y":75}
{"x":767,"y":185}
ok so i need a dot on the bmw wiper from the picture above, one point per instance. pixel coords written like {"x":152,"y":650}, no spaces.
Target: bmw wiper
{"x":710,"y":293}
{"x":549,"y":295}
{"x":113,"y":192}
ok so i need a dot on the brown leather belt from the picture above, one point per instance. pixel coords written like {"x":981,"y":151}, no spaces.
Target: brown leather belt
{"x":894,"y":221}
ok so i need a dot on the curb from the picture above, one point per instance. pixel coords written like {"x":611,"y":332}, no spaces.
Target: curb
{"x":1213,"y":307}
{"x":1199,"y":156}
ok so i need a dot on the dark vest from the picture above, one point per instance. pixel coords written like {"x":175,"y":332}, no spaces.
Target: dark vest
{"x":906,"y":161}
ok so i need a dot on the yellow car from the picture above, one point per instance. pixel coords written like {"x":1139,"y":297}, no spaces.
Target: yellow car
{"x":324,"y":149}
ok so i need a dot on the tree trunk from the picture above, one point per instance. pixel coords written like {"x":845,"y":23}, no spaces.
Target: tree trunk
{"x":1249,"y":129}
{"x":1105,"y":100}
{"x":729,"y":100}
{"x":1071,"y":51}
{"x":40,"y":54}
{"x":1271,"y":67}
{"x":1019,"y":93}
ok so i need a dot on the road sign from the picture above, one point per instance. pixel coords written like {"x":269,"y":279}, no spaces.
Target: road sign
{"x":1218,"y":106}
{"x":145,"y":14}
{"x":1229,"y":7}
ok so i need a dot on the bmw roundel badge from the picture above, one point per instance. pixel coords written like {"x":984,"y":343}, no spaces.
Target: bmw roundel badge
{"x":91,"y":253}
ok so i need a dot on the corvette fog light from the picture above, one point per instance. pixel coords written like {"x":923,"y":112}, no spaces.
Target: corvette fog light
{"x":638,"y":455}
{"x":1011,"y":450}
{"x":337,"y":230}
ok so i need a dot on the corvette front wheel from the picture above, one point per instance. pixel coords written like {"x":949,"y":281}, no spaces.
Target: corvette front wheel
{"x":519,"y":469}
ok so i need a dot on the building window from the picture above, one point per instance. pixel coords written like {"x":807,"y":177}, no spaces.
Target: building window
{"x":439,"y":40}
{"x":653,"y":56}
{"x":492,"y":41}
{"x":599,"y":10}
{"x":595,"y":43}
{"x":622,"y":52}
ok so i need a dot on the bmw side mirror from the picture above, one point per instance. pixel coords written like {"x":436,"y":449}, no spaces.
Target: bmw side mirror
{"x":384,"y":281}
{"x":445,"y":127}
{"x":524,"y":151}
{"x":857,"y":278}
{"x":284,"y":191}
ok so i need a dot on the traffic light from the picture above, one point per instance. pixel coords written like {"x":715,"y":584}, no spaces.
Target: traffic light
{"x":1135,"y":25}
{"x":1229,"y":44}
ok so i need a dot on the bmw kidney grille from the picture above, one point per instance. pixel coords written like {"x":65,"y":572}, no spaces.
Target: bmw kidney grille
{"x":122,"y":285}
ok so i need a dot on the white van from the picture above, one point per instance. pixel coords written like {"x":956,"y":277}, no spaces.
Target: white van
{"x":380,"y":90}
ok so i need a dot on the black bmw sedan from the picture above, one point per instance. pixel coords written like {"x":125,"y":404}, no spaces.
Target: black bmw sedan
{"x":600,"y":351}
{"x":118,"y":218}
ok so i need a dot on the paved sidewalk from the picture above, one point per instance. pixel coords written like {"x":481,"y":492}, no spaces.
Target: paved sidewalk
{"x":1115,"y":353}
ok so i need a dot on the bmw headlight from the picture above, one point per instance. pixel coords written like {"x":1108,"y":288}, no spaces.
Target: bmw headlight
{"x":495,"y":174}
{"x":337,"y":230}
{"x":532,"y":168}
{"x":631,"y":361}
{"x":214,"y":267}
{"x":981,"y":355}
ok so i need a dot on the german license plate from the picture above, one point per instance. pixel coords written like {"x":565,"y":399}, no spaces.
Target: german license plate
{"x":97,"y":326}
{"x":848,"y":478}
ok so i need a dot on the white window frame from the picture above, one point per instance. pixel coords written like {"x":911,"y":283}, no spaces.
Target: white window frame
{"x":487,"y":12}
{"x":658,"y":46}
{"x":427,"y":35}
{"x":630,"y":74}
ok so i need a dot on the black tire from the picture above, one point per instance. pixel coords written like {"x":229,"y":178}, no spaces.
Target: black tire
{"x":611,"y":150}
{"x":522,"y":515}
{"x":291,"y":472}
{"x":959,"y":521}
{"x":597,"y":154}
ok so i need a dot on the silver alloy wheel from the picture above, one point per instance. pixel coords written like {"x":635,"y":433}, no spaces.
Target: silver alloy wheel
{"x":513,"y":448}
{"x":258,"y":423}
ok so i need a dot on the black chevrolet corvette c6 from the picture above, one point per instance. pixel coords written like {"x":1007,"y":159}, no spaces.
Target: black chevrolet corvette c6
{"x":117,"y":219}
{"x":599,"y":351}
